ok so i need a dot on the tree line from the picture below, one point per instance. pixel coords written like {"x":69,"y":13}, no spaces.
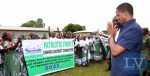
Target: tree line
{"x":40,"y":24}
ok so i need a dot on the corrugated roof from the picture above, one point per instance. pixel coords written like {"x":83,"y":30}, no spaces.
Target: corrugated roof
{"x":85,"y":31}
{"x":14,"y":28}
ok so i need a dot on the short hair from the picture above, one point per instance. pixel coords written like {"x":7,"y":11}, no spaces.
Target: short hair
{"x":4,"y":36}
{"x":145,"y":31}
{"x":126,"y":7}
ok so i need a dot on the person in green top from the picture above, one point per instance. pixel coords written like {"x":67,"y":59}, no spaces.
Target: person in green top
{"x":11,"y":65}
{"x":2,"y":51}
{"x":146,"y":49}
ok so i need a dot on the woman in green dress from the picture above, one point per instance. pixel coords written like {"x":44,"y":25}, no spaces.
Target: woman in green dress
{"x":12,"y":61}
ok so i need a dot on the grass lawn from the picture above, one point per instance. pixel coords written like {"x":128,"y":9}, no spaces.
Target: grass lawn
{"x":93,"y":69}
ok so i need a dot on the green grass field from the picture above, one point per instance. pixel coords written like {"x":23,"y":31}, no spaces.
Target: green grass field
{"x":93,"y":69}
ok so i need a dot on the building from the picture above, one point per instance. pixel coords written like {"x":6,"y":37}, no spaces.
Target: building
{"x":85,"y":33}
{"x":24,"y":31}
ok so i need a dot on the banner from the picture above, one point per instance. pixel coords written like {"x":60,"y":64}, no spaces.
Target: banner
{"x":48,"y":55}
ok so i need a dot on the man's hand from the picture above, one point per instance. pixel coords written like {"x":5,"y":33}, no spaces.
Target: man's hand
{"x":116,"y":49}
{"x":111,"y":29}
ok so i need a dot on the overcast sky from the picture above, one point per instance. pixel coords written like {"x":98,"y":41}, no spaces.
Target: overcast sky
{"x":94,"y":14}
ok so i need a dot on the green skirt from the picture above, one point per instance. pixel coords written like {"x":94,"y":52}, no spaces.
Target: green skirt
{"x":13,"y":64}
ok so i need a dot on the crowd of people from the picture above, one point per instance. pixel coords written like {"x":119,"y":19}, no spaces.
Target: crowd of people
{"x":90,"y":48}
{"x":87,"y":48}
{"x":11,"y":55}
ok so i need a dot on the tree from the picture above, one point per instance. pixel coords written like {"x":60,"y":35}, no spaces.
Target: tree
{"x":40,"y":23}
{"x":73,"y":28}
{"x":32,"y":23}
